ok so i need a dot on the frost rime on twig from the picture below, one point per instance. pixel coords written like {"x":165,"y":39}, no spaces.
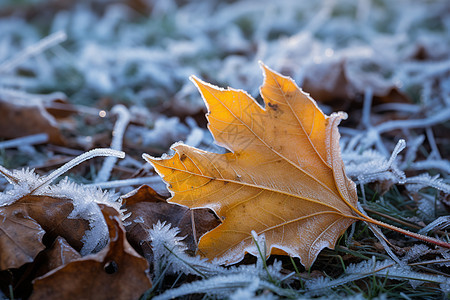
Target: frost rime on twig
{"x":380,"y":236}
{"x":42,"y":45}
{"x":34,"y":139}
{"x":221,"y":286}
{"x":118,"y":132}
{"x":27,"y":182}
{"x":371,"y":166}
{"x":418,"y":182}
{"x":438,"y":224}
{"x":76,"y":161}
{"x":386,"y":268}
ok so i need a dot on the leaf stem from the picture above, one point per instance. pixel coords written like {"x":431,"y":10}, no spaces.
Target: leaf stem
{"x":440,"y":232}
{"x":408,"y":233}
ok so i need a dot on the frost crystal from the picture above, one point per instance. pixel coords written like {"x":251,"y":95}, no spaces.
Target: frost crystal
{"x":169,"y":256}
{"x":27,"y":182}
{"x":415,"y":252}
{"x":23,"y":182}
{"x":438,"y":224}
{"x":85,"y":201}
{"x":386,"y":268}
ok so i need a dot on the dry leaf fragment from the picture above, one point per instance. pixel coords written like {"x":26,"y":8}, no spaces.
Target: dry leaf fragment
{"x":16,"y":283}
{"x":343,"y":79}
{"x":59,"y":254}
{"x":20,"y":238}
{"x":147,"y":208}
{"x":20,"y":119}
{"x":53,"y":215}
{"x":284,"y":176}
{"x":65,"y":209}
{"x":116,"y":272}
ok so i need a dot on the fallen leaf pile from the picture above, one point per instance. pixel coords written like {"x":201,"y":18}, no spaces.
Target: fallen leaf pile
{"x":103,"y":273}
{"x":46,"y":226}
{"x":68,"y":241}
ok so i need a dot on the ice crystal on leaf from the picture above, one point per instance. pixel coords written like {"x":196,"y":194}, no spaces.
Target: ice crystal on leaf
{"x":22,"y":183}
{"x":85,"y":201}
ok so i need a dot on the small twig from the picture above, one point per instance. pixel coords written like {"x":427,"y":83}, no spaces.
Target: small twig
{"x":420,"y":237}
{"x":392,"y":218}
{"x":34,"y":139}
{"x":123,"y":118}
{"x":129,"y":182}
{"x":383,"y":240}
{"x":432,"y":142}
{"x":367,"y":105}
{"x":39,"y":47}
{"x":439,"y":117}
{"x":76,"y":161}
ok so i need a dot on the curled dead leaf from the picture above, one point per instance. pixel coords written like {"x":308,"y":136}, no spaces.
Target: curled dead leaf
{"x":53,"y":215}
{"x":60,"y":253}
{"x":116,"y":272}
{"x":20,"y":238}
{"x":283,"y":177}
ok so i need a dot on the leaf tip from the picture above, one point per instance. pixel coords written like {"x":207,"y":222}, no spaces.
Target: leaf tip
{"x":201,"y":86}
{"x":265,"y":68}
{"x":261,"y":64}
{"x":195,"y":79}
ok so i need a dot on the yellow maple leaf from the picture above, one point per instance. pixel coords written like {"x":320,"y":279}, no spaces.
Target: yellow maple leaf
{"x":283,"y":177}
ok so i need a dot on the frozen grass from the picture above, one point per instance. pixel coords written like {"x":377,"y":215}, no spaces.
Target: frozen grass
{"x":387,"y":63}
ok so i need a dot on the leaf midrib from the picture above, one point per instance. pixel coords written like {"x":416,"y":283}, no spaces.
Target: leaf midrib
{"x":251,"y":185}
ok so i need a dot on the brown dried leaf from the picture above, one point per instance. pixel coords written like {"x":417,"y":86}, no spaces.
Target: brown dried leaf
{"x":20,"y":238}
{"x":59,"y":254}
{"x":20,"y":119}
{"x":333,"y":80}
{"x":116,"y":272}
{"x":52,"y":214}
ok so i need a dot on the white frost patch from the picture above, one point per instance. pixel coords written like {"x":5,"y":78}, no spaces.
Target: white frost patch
{"x":169,"y":256}
{"x":386,"y":268}
{"x":85,"y":201}
{"x":24,"y":182}
{"x":85,"y":198}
